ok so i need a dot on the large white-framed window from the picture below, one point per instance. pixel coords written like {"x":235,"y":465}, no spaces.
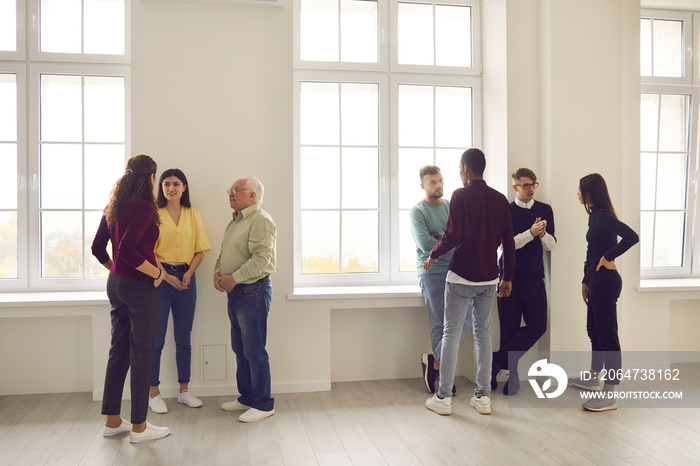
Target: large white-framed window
{"x":372,"y":106}
{"x":68,"y":145}
{"x":669,"y":144}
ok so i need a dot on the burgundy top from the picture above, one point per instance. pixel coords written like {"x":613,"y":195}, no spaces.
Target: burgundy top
{"x":133,"y":238}
{"x":478,"y":223}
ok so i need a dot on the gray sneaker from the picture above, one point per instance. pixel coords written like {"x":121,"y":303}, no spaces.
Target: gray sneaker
{"x":600,"y":404}
{"x":592,"y":383}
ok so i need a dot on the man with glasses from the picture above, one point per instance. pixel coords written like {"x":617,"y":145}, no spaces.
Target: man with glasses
{"x":533,"y":223}
{"x":243,"y":271}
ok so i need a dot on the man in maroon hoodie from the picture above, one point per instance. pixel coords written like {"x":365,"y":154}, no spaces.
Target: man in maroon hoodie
{"x":478,"y":223}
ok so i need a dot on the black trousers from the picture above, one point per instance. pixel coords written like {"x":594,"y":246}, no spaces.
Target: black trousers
{"x":135,"y":314}
{"x":604,"y":287}
{"x":527,"y":301}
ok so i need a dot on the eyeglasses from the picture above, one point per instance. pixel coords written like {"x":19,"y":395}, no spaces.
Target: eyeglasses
{"x":236,"y":191}
{"x":528,"y":185}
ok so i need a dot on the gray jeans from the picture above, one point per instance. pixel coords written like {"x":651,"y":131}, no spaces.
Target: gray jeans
{"x":135,"y":313}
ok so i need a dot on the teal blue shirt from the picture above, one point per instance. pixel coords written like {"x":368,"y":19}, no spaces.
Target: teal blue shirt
{"x":427,"y":220}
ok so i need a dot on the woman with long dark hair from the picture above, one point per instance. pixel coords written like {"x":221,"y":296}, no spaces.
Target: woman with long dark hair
{"x":131,"y":223}
{"x":180,"y":249}
{"x":601,"y":288}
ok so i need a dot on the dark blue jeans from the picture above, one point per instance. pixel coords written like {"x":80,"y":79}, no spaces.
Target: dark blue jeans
{"x":134,"y":323}
{"x":182,"y":304}
{"x":248,"y":307}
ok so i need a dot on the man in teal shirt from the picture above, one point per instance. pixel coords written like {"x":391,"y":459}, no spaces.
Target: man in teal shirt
{"x":428,"y":220}
{"x":243,"y":271}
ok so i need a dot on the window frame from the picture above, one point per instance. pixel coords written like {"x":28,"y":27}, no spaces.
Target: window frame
{"x":389,"y":74}
{"x":20,"y":70}
{"x":689,"y":84}
{"x":28,"y":66}
{"x":472,"y":82}
{"x":474,"y":70}
{"x":382,"y":45}
{"x":36,"y":55}
{"x":689,"y":257}
{"x":35,"y":241}
{"x":688,"y":46}
{"x":21,"y":52}
{"x":382,"y":275}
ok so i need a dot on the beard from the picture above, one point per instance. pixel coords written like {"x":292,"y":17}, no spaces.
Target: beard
{"x":437,"y":194}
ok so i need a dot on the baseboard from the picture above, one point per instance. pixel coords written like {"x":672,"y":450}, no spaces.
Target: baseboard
{"x":229,"y":390}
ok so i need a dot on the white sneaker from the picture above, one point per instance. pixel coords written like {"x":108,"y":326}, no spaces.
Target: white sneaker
{"x":112,"y":431}
{"x":482,"y":404}
{"x":157,"y":405}
{"x":439,"y":405}
{"x":150,"y":433}
{"x":253,"y":415}
{"x":234,"y":405}
{"x":186,"y":398}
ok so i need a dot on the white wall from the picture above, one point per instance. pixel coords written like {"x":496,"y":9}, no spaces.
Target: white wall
{"x":212,"y":95}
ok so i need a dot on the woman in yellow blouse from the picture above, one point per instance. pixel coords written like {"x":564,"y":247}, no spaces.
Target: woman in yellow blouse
{"x":180,"y":249}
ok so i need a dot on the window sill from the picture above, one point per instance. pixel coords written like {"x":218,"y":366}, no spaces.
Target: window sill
{"x":362,"y":296}
{"x":71,"y":303}
{"x":669,"y":284}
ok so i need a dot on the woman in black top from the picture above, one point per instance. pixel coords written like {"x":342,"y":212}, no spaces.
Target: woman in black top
{"x":601,"y":288}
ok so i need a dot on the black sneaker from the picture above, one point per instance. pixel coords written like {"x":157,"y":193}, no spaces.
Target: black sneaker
{"x":429,"y":372}
{"x":495,"y":369}
{"x":437,"y":384}
{"x":512,"y":386}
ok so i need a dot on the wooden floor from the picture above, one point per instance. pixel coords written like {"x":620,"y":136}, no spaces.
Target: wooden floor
{"x":357,"y":423}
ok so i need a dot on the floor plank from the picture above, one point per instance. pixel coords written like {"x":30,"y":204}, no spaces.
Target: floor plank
{"x":381,"y":422}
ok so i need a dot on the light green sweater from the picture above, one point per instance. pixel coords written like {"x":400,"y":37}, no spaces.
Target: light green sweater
{"x":427,"y":220}
{"x":248,"y":247}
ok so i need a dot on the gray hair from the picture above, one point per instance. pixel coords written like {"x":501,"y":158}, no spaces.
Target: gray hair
{"x":256,"y":186}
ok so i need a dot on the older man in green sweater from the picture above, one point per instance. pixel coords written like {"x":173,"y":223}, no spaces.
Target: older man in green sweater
{"x":243,"y":271}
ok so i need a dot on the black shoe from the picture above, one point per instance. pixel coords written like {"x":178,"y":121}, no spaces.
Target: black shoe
{"x":454,"y":390}
{"x":495,"y":369}
{"x":512,"y":385}
{"x":429,"y":373}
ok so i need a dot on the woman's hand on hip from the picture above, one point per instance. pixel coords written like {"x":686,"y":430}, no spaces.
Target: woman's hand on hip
{"x":610,"y":265}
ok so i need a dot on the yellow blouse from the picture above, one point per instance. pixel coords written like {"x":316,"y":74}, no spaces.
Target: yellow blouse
{"x":179,"y":243}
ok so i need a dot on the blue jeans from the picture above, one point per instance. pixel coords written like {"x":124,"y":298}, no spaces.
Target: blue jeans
{"x":460,"y":302}
{"x":182,"y":303}
{"x":432,"y":287}
{"x":248,"y":307}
